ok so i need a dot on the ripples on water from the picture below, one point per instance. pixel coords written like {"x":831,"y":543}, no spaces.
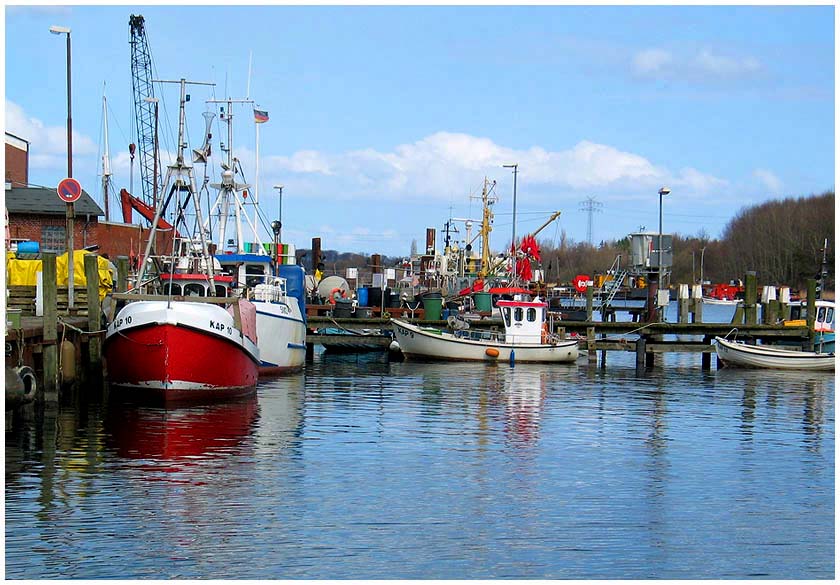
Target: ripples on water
{"x":361,"y":468}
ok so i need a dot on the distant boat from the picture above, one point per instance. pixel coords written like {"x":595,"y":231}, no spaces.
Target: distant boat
{"x":736,"y":353}
{"x":714,"y":301}
{"x":526,"y":339}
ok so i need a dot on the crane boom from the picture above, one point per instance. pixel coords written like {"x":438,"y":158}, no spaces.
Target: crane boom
{"x":144,"y":111}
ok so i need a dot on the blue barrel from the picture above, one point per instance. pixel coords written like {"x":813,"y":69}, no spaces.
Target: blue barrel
{"x":28,"y":247}
{"x":362,"y":295}
{"x":295,"y":285}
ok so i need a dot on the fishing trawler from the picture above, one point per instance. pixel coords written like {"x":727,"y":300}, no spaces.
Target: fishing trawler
{"x":272,"y":282}
{"x":183,"y":334}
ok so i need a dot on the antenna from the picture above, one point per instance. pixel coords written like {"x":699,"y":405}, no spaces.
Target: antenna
{"x":591,"y":207}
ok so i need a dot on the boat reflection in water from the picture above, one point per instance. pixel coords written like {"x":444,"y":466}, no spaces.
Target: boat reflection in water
{"x":146,"y":432}
{"x":524,"y":394}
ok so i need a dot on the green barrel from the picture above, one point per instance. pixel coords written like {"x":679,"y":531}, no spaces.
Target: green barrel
{"x":432,"y":308}
{"x":482,"y":301}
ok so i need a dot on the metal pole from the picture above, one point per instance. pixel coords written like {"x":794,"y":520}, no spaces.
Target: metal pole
{"x":71,"y":212}
{"x":702,"y":253}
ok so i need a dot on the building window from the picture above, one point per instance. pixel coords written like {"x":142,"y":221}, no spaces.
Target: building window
{"x":53,"y":238}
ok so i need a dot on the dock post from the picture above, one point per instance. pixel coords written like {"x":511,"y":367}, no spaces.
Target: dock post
{"x":122,"y":274}
{"x":768,"y":302}
{"x":94,"y":311}
{"x":750,"y":297}
{"x":784,"y":303}
{"x":697,"y":303}
{"x":50,"y":323}
{"x":591,"y":354}
{"x":310,"y":352}
{"x":812,"y":311}
{"x":706,"y":357}
{"x":640,"y":351}
{"x":682,"y":303}
{"x":589,"y":295}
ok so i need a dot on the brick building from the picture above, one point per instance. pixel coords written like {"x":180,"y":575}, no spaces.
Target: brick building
{"x":17,"y":160}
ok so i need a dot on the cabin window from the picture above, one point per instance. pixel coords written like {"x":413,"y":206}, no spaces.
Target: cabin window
{"x":506,"y":313}
{"x":532,"y":314}
{"x":221,"y":290}
{"x":173,"y":289}
{"x":194,"y":289}
{"x":517,"y":314}
{"x":829,"y":318}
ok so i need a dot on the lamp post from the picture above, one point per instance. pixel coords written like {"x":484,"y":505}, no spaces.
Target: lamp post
{"x":275,"y":227}
{"x":662,"y":191}
{"x":702,"y":253}
{"x":280,"y":202}
{"x":515,"y":167}
{"x":70,"y":213}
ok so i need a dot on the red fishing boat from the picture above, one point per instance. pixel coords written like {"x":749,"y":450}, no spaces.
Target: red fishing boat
{"x":181,"y":336}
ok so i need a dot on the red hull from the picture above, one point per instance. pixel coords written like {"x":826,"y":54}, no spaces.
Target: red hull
{"x":171,"y":363}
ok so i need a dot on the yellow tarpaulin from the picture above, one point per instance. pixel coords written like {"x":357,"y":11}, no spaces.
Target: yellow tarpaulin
{"x":23,"y":272}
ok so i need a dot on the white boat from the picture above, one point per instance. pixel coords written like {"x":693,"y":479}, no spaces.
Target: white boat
{"x":272,"y":282}
{"x":736,"y":353}
{"x":713,"y":301}
{"x":526,"y":339}
{"x":823,"y":322}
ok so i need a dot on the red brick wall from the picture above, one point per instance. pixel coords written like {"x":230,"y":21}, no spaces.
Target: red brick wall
{"x":17,"y":170}
{"x":28,"y":226}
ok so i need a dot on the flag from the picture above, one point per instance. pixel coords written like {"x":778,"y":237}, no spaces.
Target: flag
{"x":260,"y":116}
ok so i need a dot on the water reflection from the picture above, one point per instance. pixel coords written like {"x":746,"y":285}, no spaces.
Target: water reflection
{"x":145,"y":432}
{"x":524,"y":394}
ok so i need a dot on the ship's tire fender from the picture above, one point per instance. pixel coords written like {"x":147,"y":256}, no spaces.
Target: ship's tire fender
{"x":30,"y":381}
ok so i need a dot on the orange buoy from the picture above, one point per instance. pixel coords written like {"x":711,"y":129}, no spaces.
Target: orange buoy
{"x":491,"y":352}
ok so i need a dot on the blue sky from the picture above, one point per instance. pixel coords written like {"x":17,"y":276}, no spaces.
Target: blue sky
{"x":384,"y":120}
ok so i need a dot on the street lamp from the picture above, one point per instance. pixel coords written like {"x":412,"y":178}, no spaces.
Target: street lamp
{"x":662,"y":191}
{"x":515,"y":167}
{"x":275,"y":227}
{"x":70,"y":214}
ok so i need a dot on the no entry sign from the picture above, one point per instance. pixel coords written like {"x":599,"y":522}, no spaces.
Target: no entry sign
{"x":582,"y":281}
{"x":69,"y":190}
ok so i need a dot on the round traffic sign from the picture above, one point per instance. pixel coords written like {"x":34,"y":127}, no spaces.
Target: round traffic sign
{"x":582,"y":281}
{"x":69,"y":190}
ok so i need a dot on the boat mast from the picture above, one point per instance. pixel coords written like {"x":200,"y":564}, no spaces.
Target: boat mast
{"x":486,"y":226}
{"x":180,"y":178}
{"x":106,"y":163}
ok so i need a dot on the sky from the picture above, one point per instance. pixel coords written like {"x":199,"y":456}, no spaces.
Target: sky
{"x":385,"y":121}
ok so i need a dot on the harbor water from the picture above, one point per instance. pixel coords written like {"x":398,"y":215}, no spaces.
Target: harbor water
{"x":364,"y":468}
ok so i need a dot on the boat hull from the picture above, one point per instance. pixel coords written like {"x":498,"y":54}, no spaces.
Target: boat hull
{"x":179,"y":352}
{"x":281,"y":335}
{"x":751,"y":356}
{"x":416,"y":343}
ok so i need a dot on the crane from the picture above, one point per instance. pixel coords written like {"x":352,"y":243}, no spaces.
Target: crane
{"x":144,"y":111}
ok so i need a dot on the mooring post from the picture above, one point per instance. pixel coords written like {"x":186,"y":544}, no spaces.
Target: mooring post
{"x":697,"y":303}
{"x":589,"y":295}
{"x":310,"y":352}
{"x":768,"y":301}
{"x":94,"y":311}
{"x":591,"y":354}
{"x":750,"y":297}
{"x":640,"y":351}
{"x":682,"y":303}
{"x":50,"y":323}
{"x":784,"y":303}
{"x":122,"y":274}
{"x":812,"y":311}
{"x":706,"y":357}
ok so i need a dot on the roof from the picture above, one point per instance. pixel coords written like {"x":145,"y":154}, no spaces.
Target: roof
{"x":44,"y":200}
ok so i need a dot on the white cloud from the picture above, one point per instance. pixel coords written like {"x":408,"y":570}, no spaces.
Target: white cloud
{"x":769,"y":180}
{"x":47,"y":144}
{"x":446,"y":164}
{"x":704,"y":64}
{"x":651,"y":61}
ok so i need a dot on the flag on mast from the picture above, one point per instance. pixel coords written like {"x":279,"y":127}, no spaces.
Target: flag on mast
{"x":260,"y":116}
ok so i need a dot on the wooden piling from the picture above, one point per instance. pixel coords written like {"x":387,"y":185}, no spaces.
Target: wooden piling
{"x":589,"y":295}
{"x":697,"y":303}
{"x":122,"y":274}
{"x":591,"y":353}
{"x":812,"y":311}
{"x":94,"y":311}
{"x":750,"y":296}
{"x":706,"y":357}
{"x":682,"y":303}
{"x":48,"y":268}
{"x":640,"y":351}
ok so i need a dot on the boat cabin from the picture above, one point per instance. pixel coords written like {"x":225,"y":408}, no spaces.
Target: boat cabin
{"x":523,"y":320}
{"x":195,"y":285}
{"x":248,"y":270}
{"x":824,"y":320}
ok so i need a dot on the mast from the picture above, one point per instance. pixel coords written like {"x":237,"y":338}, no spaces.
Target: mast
{"x":486,"y":226}
{"x":106,"y":163}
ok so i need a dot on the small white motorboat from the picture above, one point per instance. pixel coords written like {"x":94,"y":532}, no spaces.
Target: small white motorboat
{"x":737,"y":353}
{"x":526,"y":339}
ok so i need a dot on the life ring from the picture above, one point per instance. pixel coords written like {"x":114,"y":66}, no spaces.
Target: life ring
{"x":333,"y":297}
{"x":30,"y":382}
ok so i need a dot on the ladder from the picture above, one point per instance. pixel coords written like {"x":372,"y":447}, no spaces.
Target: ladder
{"x":611,"y":287}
